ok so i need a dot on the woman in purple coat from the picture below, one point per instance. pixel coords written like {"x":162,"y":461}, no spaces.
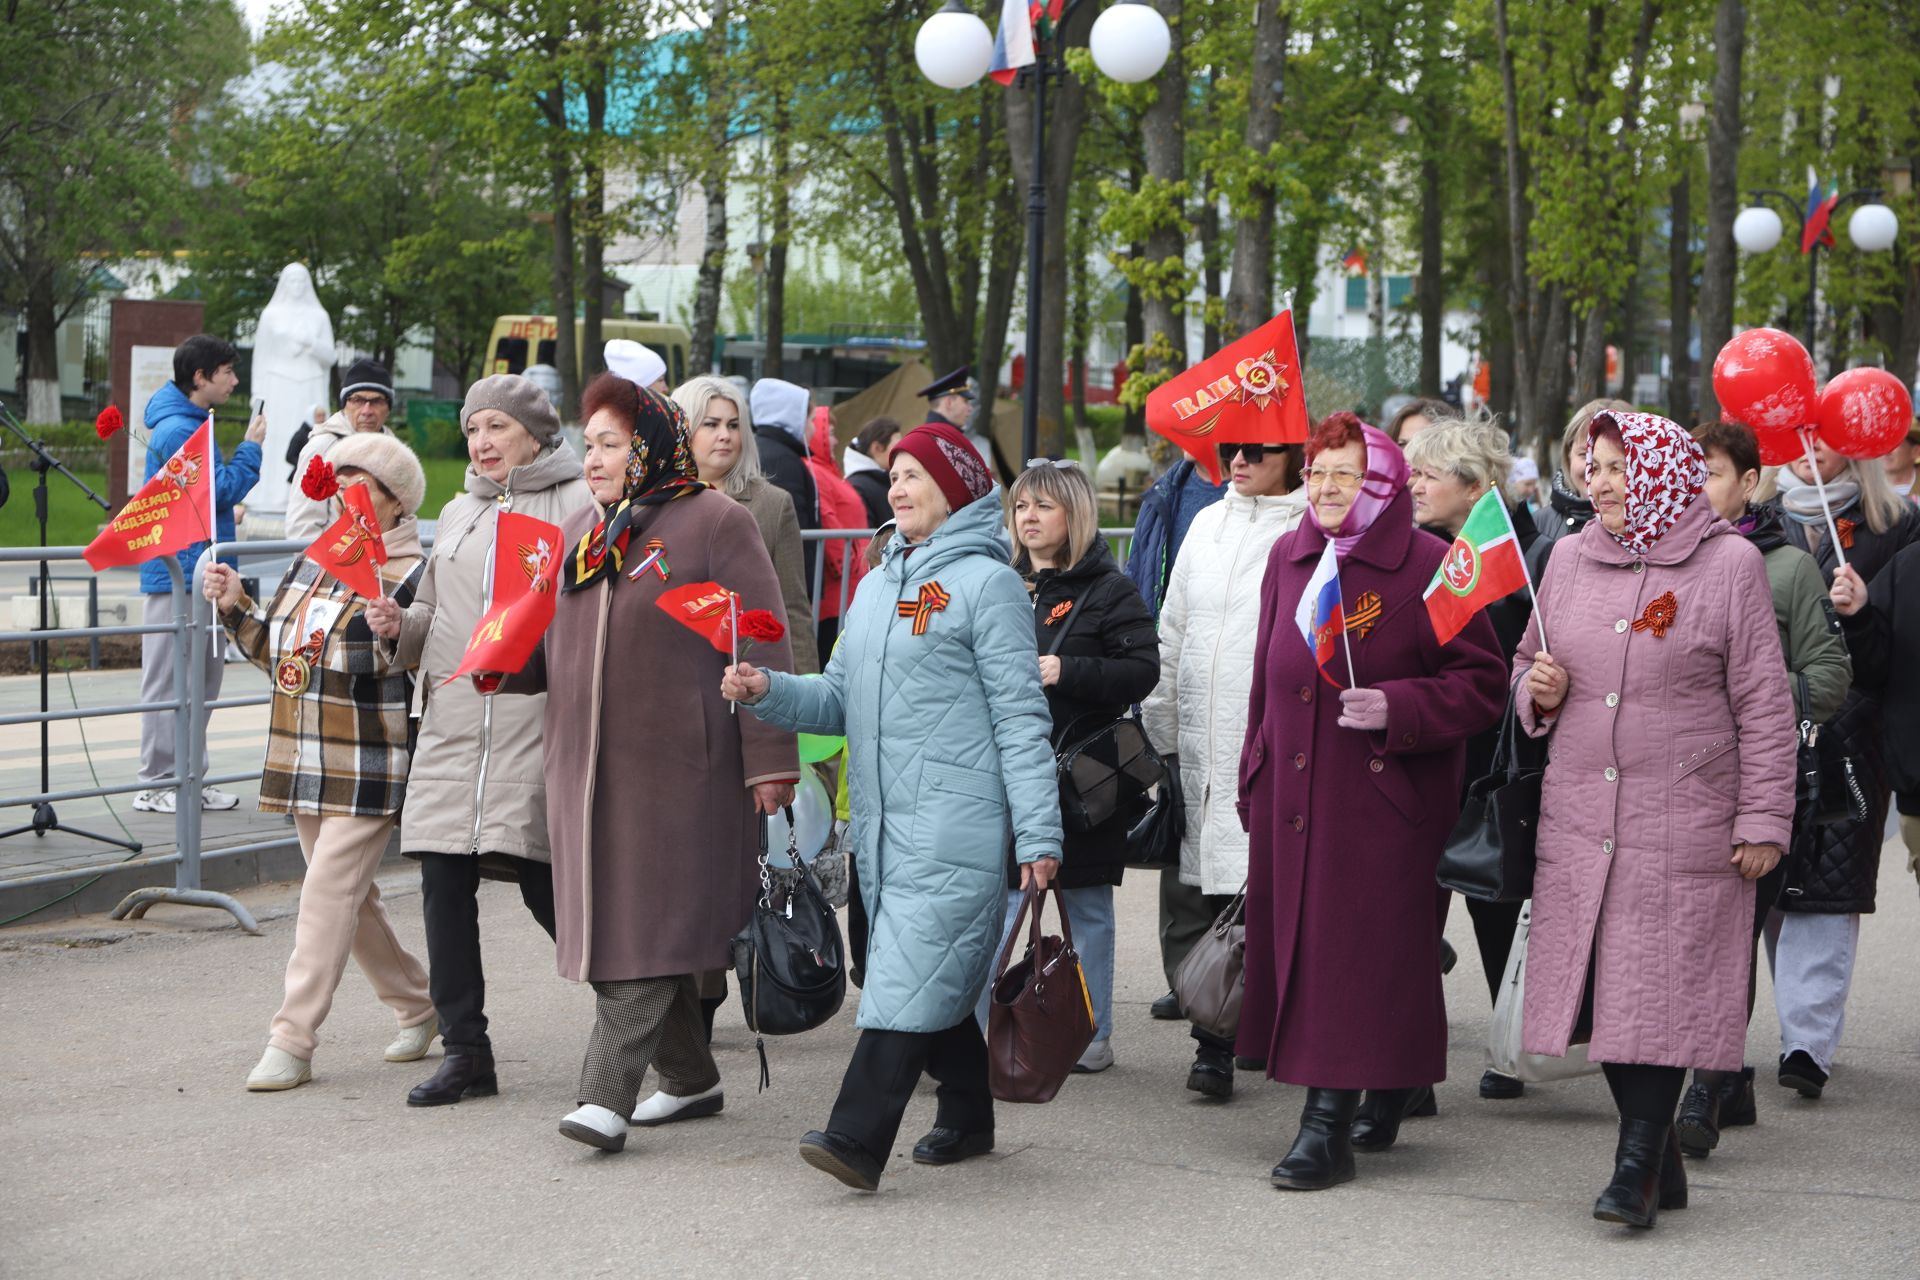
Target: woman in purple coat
{"x":1348,"y":793}
{"x":1668,"y":792}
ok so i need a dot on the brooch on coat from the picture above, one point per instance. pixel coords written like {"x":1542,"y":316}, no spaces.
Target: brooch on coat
{"x":933,"y":598}
{"x":655,"y":559}
{"x":1058,"y":612}
{"x":1365,"y":615}
{"x":1659,"y":616}
{"x":1845,"y":527}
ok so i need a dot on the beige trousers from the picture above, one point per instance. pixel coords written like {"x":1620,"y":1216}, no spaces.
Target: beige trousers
{"x":341,"y":915}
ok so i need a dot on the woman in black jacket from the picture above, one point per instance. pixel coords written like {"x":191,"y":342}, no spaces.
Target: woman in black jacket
{"x":1099,"y":654}
{"x":865,"y":466}
{"x":1882,"y":622}
{"x":1813,"y":935}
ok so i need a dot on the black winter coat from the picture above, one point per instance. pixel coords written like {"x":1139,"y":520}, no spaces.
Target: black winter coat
{"x":1833,"y":870}
{"x":1883,"y":639}
{"x":1565,"y":514}
{"x":1109,"y":660}
{"x":872,"y":487}
{"x":784,"y":463}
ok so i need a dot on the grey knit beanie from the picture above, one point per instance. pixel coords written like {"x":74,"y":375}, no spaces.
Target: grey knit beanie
{"x":386,"y":460}
{"x":518,"y":398}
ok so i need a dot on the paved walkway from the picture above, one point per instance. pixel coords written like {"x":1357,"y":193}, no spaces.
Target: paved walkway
{"x":131,"y":1148}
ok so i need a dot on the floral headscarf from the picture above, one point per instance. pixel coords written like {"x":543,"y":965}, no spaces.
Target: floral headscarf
{"x":1666,"y":471}
{"x":1386,"y":477}
{"x":660,"y":468}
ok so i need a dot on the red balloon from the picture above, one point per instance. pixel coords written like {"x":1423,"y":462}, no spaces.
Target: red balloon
{"x":1764,"y":378}
{"x":1864,"y":413}
{"x":1778,"y":448}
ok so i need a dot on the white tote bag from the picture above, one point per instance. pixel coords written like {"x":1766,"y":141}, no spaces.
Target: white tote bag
{"x":1504,"y":1052}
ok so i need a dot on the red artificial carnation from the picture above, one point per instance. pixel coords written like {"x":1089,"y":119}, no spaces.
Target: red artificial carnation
{"x":109,"y":422}
{"x":319,"y":483}
{"x":758,"y":624}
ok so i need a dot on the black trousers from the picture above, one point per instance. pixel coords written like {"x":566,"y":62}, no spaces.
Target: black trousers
{"x":1493,"y":926}
{"x":449,"y":888}
{"x":887,"y":1065}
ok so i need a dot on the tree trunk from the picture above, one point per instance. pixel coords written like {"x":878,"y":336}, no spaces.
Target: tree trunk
{"x":1003,"y":271}
{"x":1680,"y":298}
{"x":593,"y":240}
{"x":1432,"y":272}
{"x":43,"y":351}
{"x":713,"y":185}
{"x":1077,"y":322}
{"x":1163,"y":132}
{"x":1135,"y":423}
{"x":782,"y":217}
{"x":560,"y":179}
{"x":1209,"y":229}
{"x":1723,"y":195}
{"x":1520,"y":295}
{"x":1591,"y":382}
{"x":1250,"y":293}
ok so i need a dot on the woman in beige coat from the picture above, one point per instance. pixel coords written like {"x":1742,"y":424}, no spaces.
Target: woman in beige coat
{"x":478,"y":794}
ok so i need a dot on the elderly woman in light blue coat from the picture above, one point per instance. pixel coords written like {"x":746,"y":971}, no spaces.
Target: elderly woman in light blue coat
{"x":936,"y":686}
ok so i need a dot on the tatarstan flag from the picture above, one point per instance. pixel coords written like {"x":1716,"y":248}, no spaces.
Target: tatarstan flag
{"x":1482,"y":565}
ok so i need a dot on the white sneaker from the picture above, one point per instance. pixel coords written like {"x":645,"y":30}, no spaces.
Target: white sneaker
{"x":412,"y":1043}
{"x":1098,"y":1057}
{"x":597,"y":1127}
{"x":279,"y":1070}
{"x":664,"y":1108}
{"x":215,"y":798}
{"x":154,"y":802}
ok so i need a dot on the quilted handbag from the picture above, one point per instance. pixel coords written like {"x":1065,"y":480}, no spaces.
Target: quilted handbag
{"x":1040,"y":1017}
{"x":1489,"y":854}
{"x":1827,"y":785}
{"x":1212,"y":981}
{"x":789,"y":959}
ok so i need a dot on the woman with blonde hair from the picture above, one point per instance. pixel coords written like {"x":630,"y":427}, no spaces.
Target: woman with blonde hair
{"x":729,"y":460}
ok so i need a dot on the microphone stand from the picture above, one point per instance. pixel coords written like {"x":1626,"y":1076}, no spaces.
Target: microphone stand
{"x":45,"y":819}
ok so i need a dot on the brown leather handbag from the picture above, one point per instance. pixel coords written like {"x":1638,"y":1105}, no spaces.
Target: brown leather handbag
{"x":1212,"y":980}
{"x":1040,"y":1017}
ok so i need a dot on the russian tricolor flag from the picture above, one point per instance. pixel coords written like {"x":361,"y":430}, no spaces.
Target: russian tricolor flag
{"x":1818,"y":228}
{"x":1013,"y":42}
{"x":1320,"y":615}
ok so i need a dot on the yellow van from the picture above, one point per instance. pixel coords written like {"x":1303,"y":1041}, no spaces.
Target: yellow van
{"x":518,"y":341}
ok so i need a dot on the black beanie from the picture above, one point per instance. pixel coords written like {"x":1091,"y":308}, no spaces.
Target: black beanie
{"x":366,"y":375}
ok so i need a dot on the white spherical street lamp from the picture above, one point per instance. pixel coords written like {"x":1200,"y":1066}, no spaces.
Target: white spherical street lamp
{"x":1130,"y":42}
{"x":1757,"y":229}
{"x":1873,"y":228}
{"x":953,"y":47}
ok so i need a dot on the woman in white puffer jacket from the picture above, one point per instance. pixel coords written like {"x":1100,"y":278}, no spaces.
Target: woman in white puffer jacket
{"x":1199,"y":710}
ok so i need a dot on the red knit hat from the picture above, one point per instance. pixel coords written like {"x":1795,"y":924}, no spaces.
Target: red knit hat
{"x":954,"y":464}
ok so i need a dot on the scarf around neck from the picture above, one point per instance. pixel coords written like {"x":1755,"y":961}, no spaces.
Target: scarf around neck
{"x":1666,"y":471}
{"x":660,"y":468}
{"x":1802,"y":502}
{"x":1386,"y":477}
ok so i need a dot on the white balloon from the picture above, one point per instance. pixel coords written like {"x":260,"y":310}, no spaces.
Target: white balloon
{"x":953,"y":49}
{"x":1130,"y":42}
{"x":1873,"y":228}
{"x":1757,"y":229}
{"x":812,"y":818}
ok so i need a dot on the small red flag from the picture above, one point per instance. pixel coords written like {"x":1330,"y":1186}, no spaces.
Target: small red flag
{"x":526,"y":572}
{"x":351,"y":548}
{"x":705,"y":607}
{"x":1247,"y":393}
{"x":168,"y":515}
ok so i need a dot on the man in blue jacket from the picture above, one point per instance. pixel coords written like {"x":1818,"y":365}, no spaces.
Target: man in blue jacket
{"x":1166,"y":513}
{"x":203,"y":378}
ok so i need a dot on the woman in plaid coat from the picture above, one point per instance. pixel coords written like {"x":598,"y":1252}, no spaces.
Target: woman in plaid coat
{"x":337,"y":755}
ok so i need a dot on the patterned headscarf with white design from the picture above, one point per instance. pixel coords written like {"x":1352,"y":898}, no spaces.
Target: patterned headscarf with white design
{"x":1666,"y":471}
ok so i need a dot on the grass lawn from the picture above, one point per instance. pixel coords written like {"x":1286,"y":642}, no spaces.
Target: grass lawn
{"x":71,"y":519}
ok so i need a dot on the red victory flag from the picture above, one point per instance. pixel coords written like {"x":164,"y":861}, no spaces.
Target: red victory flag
{"x":705,"y":607}
{"x":1248,"y":393}
{"x":526,"y":572}
{"x":171,"y":512}
{"x":352,"y":548}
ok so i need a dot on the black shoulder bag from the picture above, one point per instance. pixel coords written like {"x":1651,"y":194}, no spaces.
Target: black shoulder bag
{"x":1489,"y":854}
{"x":789,"y":960}
{"x":1827,"y":787}
{"x":1105,"y":771}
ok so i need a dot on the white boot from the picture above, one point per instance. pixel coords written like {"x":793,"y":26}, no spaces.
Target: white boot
{"x":279,"y":1070}
{"x":412,"y":1043}
{"x":597,"y":1127}
{"x":664,"y":1108}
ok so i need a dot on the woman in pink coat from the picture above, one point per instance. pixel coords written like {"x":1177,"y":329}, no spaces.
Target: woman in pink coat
{"x":1669,"y":790}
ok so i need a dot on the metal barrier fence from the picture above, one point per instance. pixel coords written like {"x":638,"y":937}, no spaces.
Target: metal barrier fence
{"x":193,"y":625}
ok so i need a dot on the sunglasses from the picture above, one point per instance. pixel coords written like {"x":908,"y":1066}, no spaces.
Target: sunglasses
{"x":1058,"y":464}
{"x":1255,"y":453}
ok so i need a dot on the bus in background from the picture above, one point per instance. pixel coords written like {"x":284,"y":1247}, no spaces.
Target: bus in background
{"x":519,"y":341}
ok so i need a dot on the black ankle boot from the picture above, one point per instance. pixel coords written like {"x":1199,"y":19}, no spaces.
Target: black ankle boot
{"x":1673,"y":1175}
{"x":461,"y":1075}
{"x":1736,"y":1099}
{"x":1633,"y":1197}
{"x":1211,"y":1072}
{"x":1698,"y":1125}
{"x":1322,"y":1154}
{"x":1377,"y":1123}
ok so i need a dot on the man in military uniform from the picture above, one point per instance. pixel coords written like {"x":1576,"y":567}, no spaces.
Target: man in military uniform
{"x":951,"y":400}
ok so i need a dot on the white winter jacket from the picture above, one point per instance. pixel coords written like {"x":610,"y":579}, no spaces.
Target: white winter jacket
{"x":1199,"y":708}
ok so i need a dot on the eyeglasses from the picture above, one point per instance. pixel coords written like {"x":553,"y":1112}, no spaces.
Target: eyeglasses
{"x":1338,"y":477}
{"x":1058,"y":464}
{"x":1255,"y":453}
{"x":362,"y":401}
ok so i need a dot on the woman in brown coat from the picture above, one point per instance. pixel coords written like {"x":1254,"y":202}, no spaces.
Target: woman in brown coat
{"x":654,"y":790}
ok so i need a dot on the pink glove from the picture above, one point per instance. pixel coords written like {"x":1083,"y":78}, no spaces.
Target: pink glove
{"x":1363,"y":709}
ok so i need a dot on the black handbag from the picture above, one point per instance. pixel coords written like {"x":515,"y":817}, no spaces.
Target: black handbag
{"x":1489,"y":854}
{"x":1154,"y":841}
{"x":1827,"y":786}
{"x":1106,"y":772}
{"x":789,"y":960}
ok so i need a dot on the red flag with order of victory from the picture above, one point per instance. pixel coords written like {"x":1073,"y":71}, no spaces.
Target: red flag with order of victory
{"x":526,"y":572}
{"x":705,"y":607}
{"x":352,"y":548}
{"x":1247,"y":393}
{"x":171,"y":512}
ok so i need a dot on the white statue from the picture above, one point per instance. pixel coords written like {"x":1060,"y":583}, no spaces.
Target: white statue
{"x":293,"y":354}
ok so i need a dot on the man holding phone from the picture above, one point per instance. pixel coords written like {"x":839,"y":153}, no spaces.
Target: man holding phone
{"x":203,"y":379}
{"x":366,"y":401}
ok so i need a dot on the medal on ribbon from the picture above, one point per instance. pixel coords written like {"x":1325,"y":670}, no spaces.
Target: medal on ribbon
{"x":294,"y":673}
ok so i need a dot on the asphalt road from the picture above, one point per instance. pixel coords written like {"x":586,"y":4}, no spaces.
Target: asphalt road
{"x":130,"y":1147}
